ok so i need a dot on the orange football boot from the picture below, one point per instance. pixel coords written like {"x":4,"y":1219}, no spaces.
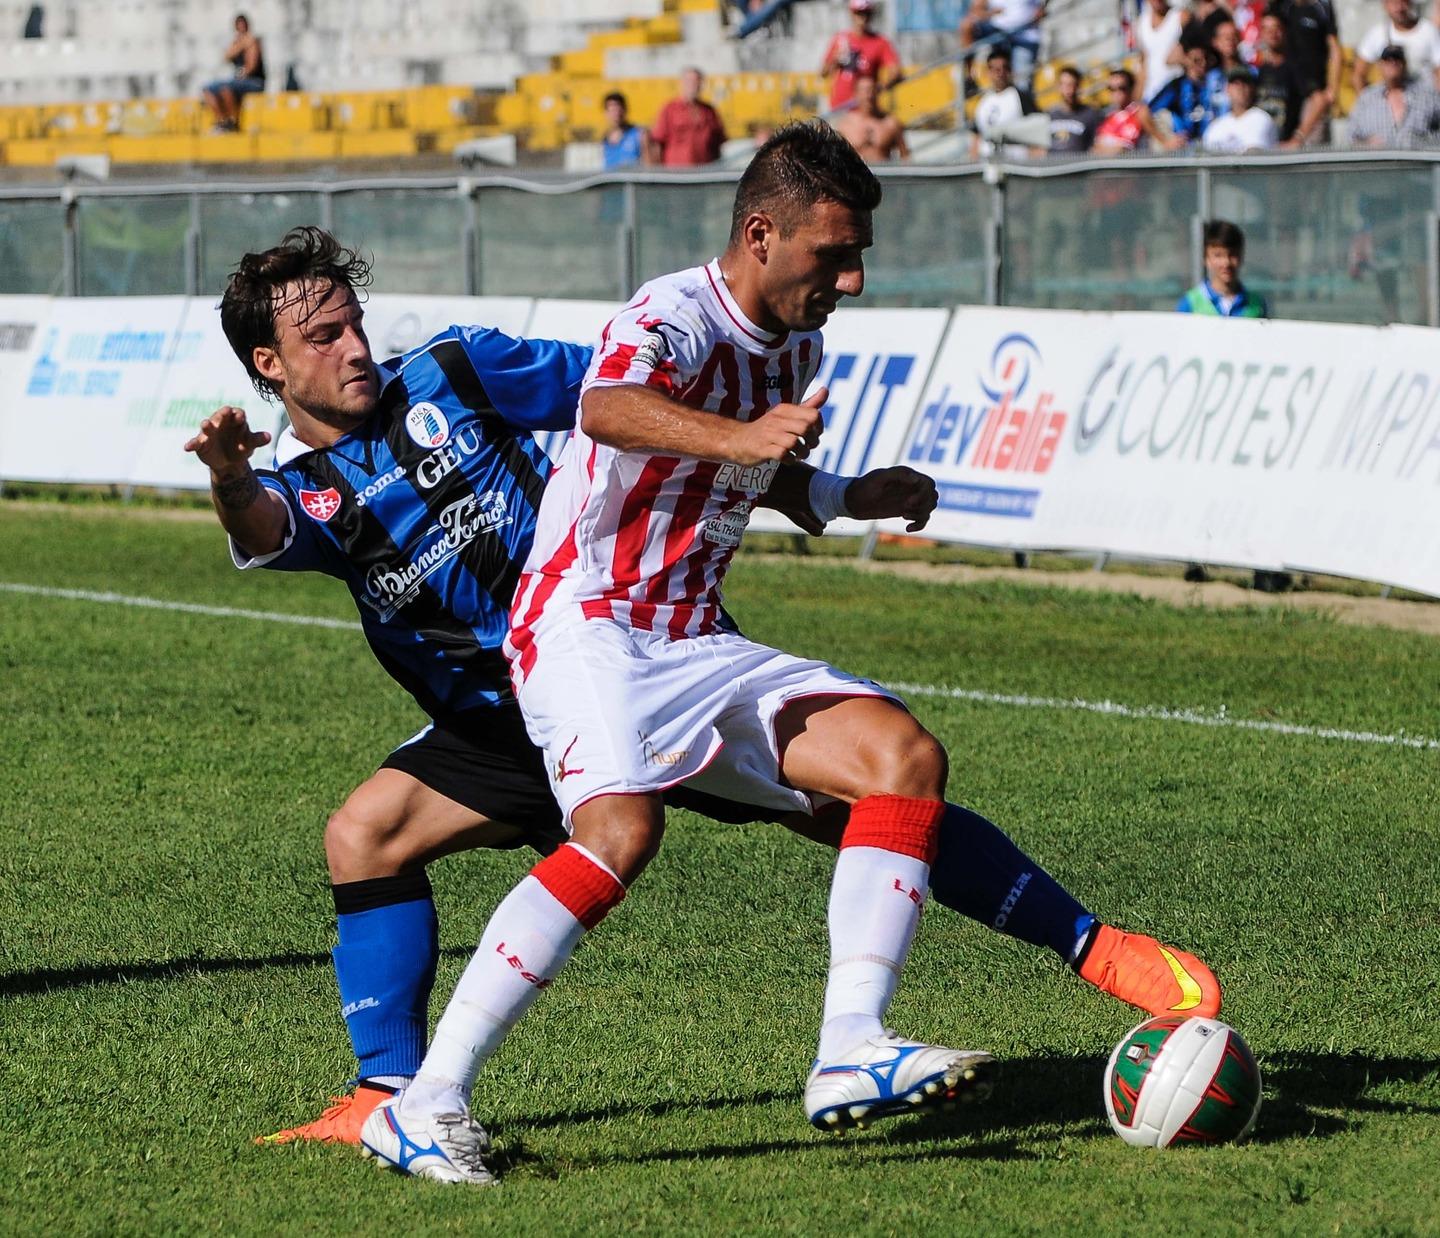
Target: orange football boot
{"x":1139,"y":970}
{"x":340,"y":1123}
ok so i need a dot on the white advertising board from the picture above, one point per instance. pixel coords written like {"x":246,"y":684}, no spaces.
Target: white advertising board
{"x":22,"y":323}
{"x":1262,"y":444}
{"x":88,"y":387}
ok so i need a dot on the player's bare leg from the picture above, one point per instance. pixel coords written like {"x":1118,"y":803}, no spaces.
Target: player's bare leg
{"x":428,"y":1131}
{"x":377,"y":844}
{"x":872,"y":754}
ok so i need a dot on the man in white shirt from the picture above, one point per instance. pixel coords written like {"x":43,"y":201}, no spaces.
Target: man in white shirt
{"x":1002,"y":102}
{"x":1403,"y":28}
{"x":1247,"y":127}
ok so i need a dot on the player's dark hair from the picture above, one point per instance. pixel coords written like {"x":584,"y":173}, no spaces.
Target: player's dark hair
{"x":1225,"y":235}
{"x":1071,"y":70}
{"x":308,"y":257}
{"x":999,"y":52}
{"x":1127,"y":75}
{"x":802,"y":164}
{"x":239,"y":17}
{"x":616,"y":97}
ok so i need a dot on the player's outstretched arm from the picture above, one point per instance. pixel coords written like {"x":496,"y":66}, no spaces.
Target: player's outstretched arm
{"x":898,"y":491}
{"x":631,"y":417}
{"x":254,"y":516}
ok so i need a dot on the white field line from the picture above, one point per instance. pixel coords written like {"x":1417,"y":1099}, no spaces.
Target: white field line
{"x":1154,"y":713}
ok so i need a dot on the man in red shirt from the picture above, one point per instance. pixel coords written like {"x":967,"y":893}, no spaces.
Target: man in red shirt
{"x":859,"y":52}
{"x":688,"y":131}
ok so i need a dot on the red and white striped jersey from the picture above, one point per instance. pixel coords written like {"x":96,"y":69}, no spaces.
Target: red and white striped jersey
{"x":643,"y":538}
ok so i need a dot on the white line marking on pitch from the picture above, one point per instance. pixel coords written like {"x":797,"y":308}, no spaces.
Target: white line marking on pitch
{"x":1152,"y":713}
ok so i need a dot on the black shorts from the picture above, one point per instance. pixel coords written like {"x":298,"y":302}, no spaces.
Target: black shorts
{"x":484,"y":760}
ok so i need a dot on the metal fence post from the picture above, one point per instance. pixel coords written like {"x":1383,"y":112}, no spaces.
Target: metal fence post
{"x":192,"y":249}
{"x":70,"y":251}
{"x":470,"y":237}
{"x":995,"y":234}
{"x":1432,"y":268}
{"x":1204,"y":209}
{"x":628,"y":259}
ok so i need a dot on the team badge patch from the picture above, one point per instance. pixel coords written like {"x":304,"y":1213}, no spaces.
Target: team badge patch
{"x":320,"y":504}
{"x":427,"y":425}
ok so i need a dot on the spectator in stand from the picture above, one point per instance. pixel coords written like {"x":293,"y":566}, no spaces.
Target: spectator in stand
{"x":1245,"y":127}
{"x":1277,"y":85}
{"x":688,"y":131}
{"x":1225,"y":43}
{"x":1016,"y":23}
{"x":861,"y":51}
{"x":1403,"y":28}
{"x":878,"y":136}
{"x":1190,"y":99}
{"x":624,"y":143}
{"x":1128,"y":124}
{"x":1206,"y":15}
{"x":1072,"y":121}
{"x":1002,"y":101}
{"x":1401,"y":110}
{"x":223,"y":96}
{"x":1157,"y":37}
{"x":1313,"y":48}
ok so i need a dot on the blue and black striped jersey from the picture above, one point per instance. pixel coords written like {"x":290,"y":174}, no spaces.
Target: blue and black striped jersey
{"x":427,"y":510}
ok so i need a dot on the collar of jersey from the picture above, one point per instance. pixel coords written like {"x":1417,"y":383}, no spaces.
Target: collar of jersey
{"x":735,"y":313}
{"x":288,"y":446}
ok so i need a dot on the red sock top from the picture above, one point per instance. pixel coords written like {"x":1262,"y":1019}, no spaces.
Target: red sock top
{"x":896,"y":823}
{"x":582,"y":887}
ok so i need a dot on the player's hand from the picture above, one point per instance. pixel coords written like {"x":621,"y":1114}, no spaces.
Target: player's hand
{"x":898,"y":491}
{"x":225,"y":439}
{"x":786,"y":432}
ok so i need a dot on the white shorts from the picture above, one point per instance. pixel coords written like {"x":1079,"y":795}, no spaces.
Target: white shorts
{"x":623,"y":712}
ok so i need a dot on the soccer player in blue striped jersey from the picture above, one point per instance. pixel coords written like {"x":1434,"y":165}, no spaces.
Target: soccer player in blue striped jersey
{"x":416,"y":481}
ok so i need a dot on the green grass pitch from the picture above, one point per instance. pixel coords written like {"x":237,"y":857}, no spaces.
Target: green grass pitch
{"x":166,"y":994}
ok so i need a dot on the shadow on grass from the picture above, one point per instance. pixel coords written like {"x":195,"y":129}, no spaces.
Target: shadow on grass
{"x":50,"y":979}
{"x":1054,"y":1094}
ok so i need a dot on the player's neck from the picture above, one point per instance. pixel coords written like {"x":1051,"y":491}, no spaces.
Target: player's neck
{"x":319,"y":430}
{"x":741,"y":279}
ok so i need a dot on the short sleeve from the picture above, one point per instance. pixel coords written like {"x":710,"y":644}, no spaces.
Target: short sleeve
{"x":1372,"y":44}
{"x":888,"y":55}
{"x":305,"y":548}
{"x":535,"y":384}
{"x":650,"y":344}
{"x":660,"y":130}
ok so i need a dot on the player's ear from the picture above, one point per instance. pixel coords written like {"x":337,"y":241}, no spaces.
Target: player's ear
{"x":267,"y":364}
{"x":760,"y":231}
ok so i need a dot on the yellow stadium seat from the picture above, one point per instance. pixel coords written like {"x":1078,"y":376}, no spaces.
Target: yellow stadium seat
{"x":292,"y":112}
{"x":32,"y":152}
{"x":378,"y":144}
{"x":225,"y":148}
{"x":440,"y":107}
{"x":296,"y":147}
{"x":156,"y":148}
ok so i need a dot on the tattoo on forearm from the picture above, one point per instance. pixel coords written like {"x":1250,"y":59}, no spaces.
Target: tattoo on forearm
{"x":237,"y":493}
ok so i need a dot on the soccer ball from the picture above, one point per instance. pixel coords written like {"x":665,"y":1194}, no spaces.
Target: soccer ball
{"x":1179,"y":1080}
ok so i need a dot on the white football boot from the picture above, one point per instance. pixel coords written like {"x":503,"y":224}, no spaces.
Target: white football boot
{"x":448,"y":1147}
{"x":886,"y":1075}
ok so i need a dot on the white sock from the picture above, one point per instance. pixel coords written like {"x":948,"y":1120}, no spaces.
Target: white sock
{"x":527,"y":942}
{"x":875,"y":902}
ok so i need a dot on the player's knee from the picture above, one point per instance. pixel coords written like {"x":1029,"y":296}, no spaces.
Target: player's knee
{"x":624,"y":834}
{"x":358,"y":842}
{"x":910,"y":762}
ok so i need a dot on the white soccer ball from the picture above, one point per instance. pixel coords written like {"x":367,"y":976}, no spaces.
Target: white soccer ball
{"x":1176,"y":1080}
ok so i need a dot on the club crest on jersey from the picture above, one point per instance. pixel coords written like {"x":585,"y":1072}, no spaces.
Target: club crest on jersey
{"x":427,"y":425}
{"x":320,"y":504}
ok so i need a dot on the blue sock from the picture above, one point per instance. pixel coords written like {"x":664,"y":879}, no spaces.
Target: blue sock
{"x":385,"y":964}
{"x":980,"y":873}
